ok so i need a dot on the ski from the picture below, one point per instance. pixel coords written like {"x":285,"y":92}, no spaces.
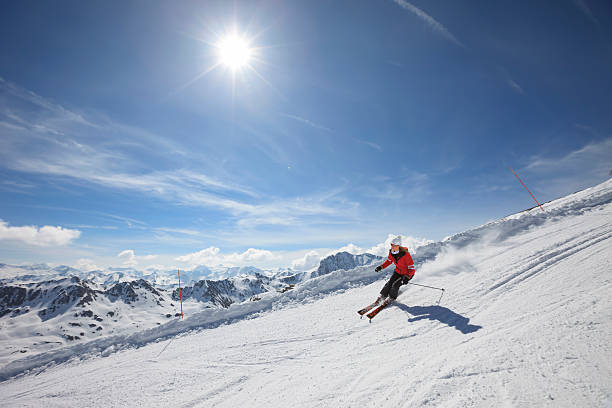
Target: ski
{"x":367,"y":308}
{"x":374,"y":312}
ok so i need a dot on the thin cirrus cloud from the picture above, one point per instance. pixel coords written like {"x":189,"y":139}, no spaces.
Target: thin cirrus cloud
{"x":514,"y":85}
{"x":46,"y":236}
{"x":306,"y":122}
{"x":586,"y":10}
{"x":371,"y":144}
{"x":189,"y":188}
{"x":44,"y":138}
{"x":594,"y":157}
{"x":431,"y":22}
{"x":11,"y":93}
{"x":182,"y":231}
{"x":581,"y":168}
{"x":45,"y":120}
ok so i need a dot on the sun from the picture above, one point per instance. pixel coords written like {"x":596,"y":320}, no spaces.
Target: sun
{"x":234,"y":52}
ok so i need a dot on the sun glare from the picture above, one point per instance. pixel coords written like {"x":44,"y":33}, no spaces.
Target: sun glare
{"x":234,"y":52}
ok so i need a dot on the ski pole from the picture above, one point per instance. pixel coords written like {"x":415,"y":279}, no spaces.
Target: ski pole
{"x":430,"y":287}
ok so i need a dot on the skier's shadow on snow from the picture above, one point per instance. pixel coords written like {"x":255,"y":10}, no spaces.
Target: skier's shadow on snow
{"x":441,"y":314}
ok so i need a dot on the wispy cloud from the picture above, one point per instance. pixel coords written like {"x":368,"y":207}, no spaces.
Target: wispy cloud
{"x":101,"y":227}
{"x":188,"y":188}
{"x":586,"y":10}
{"x":17,"y":186}
{"x":26,"y":115}
{"x":395,"y":63}
{"x":130,"y":222}
{"x":47,"y":139}
{"x":45,"y":236}
{"x":594,"y":155}
{"x":371,"y":144}
{"x":30,"y":98}
{"x":307,"y":122}
{"x":431,"y":22}
{"x":413,"y":186}
{"x":576,"y":170}
{"x":178,"y":231}
{"x":503,"y":72}
{"x":516,"y":86}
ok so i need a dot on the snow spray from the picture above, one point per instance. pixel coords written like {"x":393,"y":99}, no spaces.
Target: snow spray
{"x":180,"y":294}
{"x":519,"y":179}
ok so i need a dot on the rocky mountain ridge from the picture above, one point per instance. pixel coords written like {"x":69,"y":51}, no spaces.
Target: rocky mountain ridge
{"x":69,"y":308}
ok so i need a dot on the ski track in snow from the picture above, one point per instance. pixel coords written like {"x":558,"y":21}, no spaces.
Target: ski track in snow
{"x":525,"y":321}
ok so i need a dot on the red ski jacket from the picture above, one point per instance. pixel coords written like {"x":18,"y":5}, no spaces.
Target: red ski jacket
{"x":403,"y":266}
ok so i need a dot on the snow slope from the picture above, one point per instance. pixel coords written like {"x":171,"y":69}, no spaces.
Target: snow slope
{"x":525,"y":321}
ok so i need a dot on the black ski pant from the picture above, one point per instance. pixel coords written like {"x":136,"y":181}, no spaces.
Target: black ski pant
{"x":391,"y":288}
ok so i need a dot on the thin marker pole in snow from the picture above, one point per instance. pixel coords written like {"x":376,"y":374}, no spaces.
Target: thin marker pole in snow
{"x":180,"y":294}
{"x":519,"y":179}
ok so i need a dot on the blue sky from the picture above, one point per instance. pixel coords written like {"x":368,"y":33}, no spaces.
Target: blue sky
{"x":124,"y":142}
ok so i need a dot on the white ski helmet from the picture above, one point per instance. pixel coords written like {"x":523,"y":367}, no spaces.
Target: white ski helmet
{"x":397,"y":240}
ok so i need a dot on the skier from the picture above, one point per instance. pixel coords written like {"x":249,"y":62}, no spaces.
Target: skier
{"x":404,"y":270}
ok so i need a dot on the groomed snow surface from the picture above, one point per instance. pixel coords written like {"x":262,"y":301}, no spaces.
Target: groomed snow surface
{"x":525,"y":322}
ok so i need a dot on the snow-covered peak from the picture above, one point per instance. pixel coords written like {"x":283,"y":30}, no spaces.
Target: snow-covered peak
{"x":344,"y":260}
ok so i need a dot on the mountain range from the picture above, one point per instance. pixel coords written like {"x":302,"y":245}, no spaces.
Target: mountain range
{"x":53,"y":306}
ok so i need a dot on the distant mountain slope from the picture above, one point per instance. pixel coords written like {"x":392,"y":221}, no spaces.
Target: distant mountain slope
{"x":346,"y":261}
{"x":41,"y":314}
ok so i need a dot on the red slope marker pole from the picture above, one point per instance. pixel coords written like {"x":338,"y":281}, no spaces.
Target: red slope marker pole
{"x":180,"y":294}
{"x":519,"y":179}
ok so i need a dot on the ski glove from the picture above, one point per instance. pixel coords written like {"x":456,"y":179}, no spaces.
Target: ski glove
{"x":405,"y":280}
{"x":378,"y":268}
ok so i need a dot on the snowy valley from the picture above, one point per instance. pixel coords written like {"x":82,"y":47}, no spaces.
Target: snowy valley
{"x":525,"y":321}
